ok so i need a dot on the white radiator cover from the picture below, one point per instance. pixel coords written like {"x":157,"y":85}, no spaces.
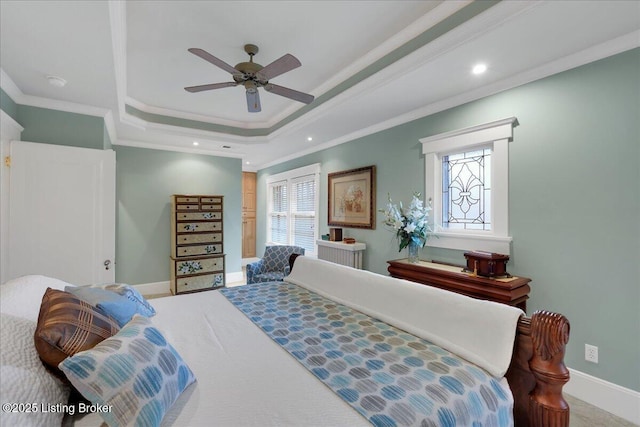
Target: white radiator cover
{"x":349,"y":254}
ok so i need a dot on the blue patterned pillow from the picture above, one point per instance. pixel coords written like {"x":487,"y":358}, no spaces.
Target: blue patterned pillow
{"x":137,"y":372}
{"x":117,"y":306}
{"x":141,"y":305}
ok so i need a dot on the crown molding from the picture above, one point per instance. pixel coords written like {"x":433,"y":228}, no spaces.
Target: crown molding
{"x":8,"y":85}
{"x":177,"y":148}
{"x":191,"y":132}
{"x":193,"y":116}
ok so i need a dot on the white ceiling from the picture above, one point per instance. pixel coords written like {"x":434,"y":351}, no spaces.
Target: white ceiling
{"x":114,"y":54}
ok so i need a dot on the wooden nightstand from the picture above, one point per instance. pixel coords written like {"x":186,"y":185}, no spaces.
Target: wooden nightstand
{"x":511,"y":291}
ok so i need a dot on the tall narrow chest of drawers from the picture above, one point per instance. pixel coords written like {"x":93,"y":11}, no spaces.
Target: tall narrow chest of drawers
{"x":197,"y":243}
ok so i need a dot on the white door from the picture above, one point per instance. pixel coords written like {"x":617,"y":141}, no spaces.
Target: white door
{"x":61,"y":212}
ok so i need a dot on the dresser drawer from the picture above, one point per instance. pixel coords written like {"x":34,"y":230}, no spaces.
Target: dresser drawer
{"x":186,"y":200}
{"x":205,"y":207}
{"x":190,"y":216}
{"x":216,"y":200}
{"x":182,"y":251}
{"x":199,"y":283}
{"x":190,"y":239}
{"x":187,"y":267}
{"x":187,"y":207}
{"x":198,"y":227}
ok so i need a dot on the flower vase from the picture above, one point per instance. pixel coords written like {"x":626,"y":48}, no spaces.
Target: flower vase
{"x":413,"y":248}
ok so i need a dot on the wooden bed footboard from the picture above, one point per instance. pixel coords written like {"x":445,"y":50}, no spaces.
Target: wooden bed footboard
{"x":537,"y":372}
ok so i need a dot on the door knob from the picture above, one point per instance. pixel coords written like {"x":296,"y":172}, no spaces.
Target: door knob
{"x":107,"y":264}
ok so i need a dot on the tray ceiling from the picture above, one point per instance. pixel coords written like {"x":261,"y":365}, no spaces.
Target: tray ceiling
{"x":370,"y":64}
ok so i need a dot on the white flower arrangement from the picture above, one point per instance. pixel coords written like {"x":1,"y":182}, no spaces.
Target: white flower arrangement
{"x":411,"y":224}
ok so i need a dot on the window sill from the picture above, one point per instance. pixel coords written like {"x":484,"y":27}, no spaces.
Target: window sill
{"x":470,"y":242}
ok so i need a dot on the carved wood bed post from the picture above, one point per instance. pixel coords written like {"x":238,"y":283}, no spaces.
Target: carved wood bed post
{"x":550,"y":334}
{"x":537,"y":372}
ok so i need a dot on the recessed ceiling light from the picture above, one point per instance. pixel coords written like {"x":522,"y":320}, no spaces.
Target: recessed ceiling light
{"x":479,"y":69}
{"x":309,"y":139}
{"x":196,"y":143}
{"x":247,"y":162}
{"x":56,"y":81}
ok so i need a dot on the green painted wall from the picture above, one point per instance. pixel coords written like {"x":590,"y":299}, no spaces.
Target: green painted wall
{"x":574,"y":200}
{"x":61,"y":128}
{"x":145,"y":180}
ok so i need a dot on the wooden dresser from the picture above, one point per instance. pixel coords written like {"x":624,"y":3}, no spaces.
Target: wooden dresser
{"x":197,"y":243}
{"x":512,"y":291}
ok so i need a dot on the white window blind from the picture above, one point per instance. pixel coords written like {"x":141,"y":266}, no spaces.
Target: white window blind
{"x":303,"y":212}
{"x":293,"y":206}
{"x":278,"y":212}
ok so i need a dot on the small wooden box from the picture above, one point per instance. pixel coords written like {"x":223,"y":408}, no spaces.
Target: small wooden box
{"x":335,"y":234}
{"x":487,"y":264}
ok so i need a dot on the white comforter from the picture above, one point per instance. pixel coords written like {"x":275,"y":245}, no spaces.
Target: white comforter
{"x":244,"y":378}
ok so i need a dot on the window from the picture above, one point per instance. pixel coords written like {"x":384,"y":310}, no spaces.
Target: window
{"x":467,"y":181}
{"x":466,"y":190}
{"x":293,"y":204}
{"x":279,"y":212}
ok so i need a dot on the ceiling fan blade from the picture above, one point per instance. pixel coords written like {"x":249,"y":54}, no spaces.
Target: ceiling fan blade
{"x":211,"y":86}
{"x":215,"y":61}
{"x":289,"y":93}
{"x":253,"y":101}
{"x":287,"y":63}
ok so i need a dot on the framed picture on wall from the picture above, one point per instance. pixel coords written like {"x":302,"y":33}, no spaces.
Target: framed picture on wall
{"x":352,"y":198}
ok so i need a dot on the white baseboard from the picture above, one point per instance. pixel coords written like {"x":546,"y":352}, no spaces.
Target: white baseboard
{"x":618,"y":400}
{"x":246,"y":261}
{"x":236,"y":276}
{"x":164,"y":287}
{"x":153,"y":288}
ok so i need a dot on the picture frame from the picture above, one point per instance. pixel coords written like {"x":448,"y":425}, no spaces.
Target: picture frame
{"x":352,"y":198}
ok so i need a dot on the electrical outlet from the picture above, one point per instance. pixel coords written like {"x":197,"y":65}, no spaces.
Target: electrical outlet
{"x":591,"y":353}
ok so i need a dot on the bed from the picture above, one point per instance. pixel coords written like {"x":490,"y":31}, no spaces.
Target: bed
{"x":351,"y":356}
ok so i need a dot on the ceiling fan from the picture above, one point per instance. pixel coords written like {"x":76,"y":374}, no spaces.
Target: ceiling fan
{"x":252,"y":75}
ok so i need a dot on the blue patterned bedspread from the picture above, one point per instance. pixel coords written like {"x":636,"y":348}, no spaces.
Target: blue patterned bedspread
{"x":390,"y":377}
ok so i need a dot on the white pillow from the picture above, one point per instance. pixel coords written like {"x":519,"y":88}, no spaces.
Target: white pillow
{"x":22,"y":297}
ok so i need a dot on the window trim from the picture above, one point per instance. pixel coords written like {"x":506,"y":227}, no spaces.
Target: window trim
{"x":496,"y":135}
{"x":290,"y":176}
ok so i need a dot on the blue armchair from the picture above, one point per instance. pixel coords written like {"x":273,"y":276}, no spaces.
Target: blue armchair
{"x":274,"y":265}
